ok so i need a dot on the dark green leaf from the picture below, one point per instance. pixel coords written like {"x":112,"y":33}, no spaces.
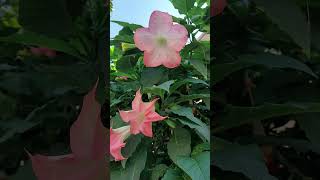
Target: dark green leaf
{"x":197,"y":167}
{"x":45,"y":17}
{"x":244,"y":159}
{"x":297,"y":29}
{"x":158,"y":171}
{"x":236,"y":116}
{"x":179,"y":144}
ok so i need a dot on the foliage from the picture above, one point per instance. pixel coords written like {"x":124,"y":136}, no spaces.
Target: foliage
{"x":40,"y":97}
{"x":266,"y":90}
{"x":184,"y":98}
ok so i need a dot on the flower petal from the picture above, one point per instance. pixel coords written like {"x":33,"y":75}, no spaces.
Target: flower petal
{"x":147,"y":129}
{"x":135,"y":126}
{"x":149,"y":106}
{"x":177,"y":37}
{"x":173,"y":60}
{"x":137,"y":101}
{"x":87,"y":134}
{"x":127,"y":116}
{"x":153,"y":58}
{"x":144,"y":39}
{"x":160,"y":22}
{"x":116,"y":141}
{"x":67,"y":168}
{"x":153,"y":117}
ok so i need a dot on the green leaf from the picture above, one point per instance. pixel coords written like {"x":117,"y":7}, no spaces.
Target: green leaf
{"x":200,"y":148}
{"x":134,"y":166}
{"x":200,"y":67}
{"x":126,"y":64}
{"x":117,"y":122}
{"x":196,"y":124}
{"x":172,"y":175}
{"x":185,"y":98}
{"x":151,"y":76}
{"x":166,"y":85}
{"x":45,"y":17}
{"x":179,"y":83}
{"x":158,"y":171}
{"x":33,"y":39}
{"x":247,"y":160}
{"x":24,"y":172}
{"x":310,"y":123}
{"x":298,"y":29}
{"x":197,"y":167}
{"x":221,"y":71}
{"x":8,"y":106}
{"x":133,"y":27}
{"x":231,"y":117}
{"x":183,"y":6}
{"x":179,"y":144}
{"x":131,"y":145}
{"x":300,"y":145}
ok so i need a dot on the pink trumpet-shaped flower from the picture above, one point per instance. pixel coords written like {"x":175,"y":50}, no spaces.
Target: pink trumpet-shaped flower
{"x":141,"y":116}
{"x":117,"y":138}
{"x":161,"y":41}
{"x":89,"y":145}
{"x":41,"y":51}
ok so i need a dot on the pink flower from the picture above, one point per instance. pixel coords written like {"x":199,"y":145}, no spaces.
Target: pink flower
{"x":117,"y":138}
{"x":161,"y":41}
{"x":141,"y":116}
{"x":41,"y":51}
{"x":89,"y":145}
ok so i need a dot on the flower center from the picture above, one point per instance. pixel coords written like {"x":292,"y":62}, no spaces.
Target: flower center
{"x":161,"y":41}
{"x":141,"y":117}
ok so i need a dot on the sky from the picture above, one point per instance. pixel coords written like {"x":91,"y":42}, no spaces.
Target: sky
{"x":137,"y":12}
